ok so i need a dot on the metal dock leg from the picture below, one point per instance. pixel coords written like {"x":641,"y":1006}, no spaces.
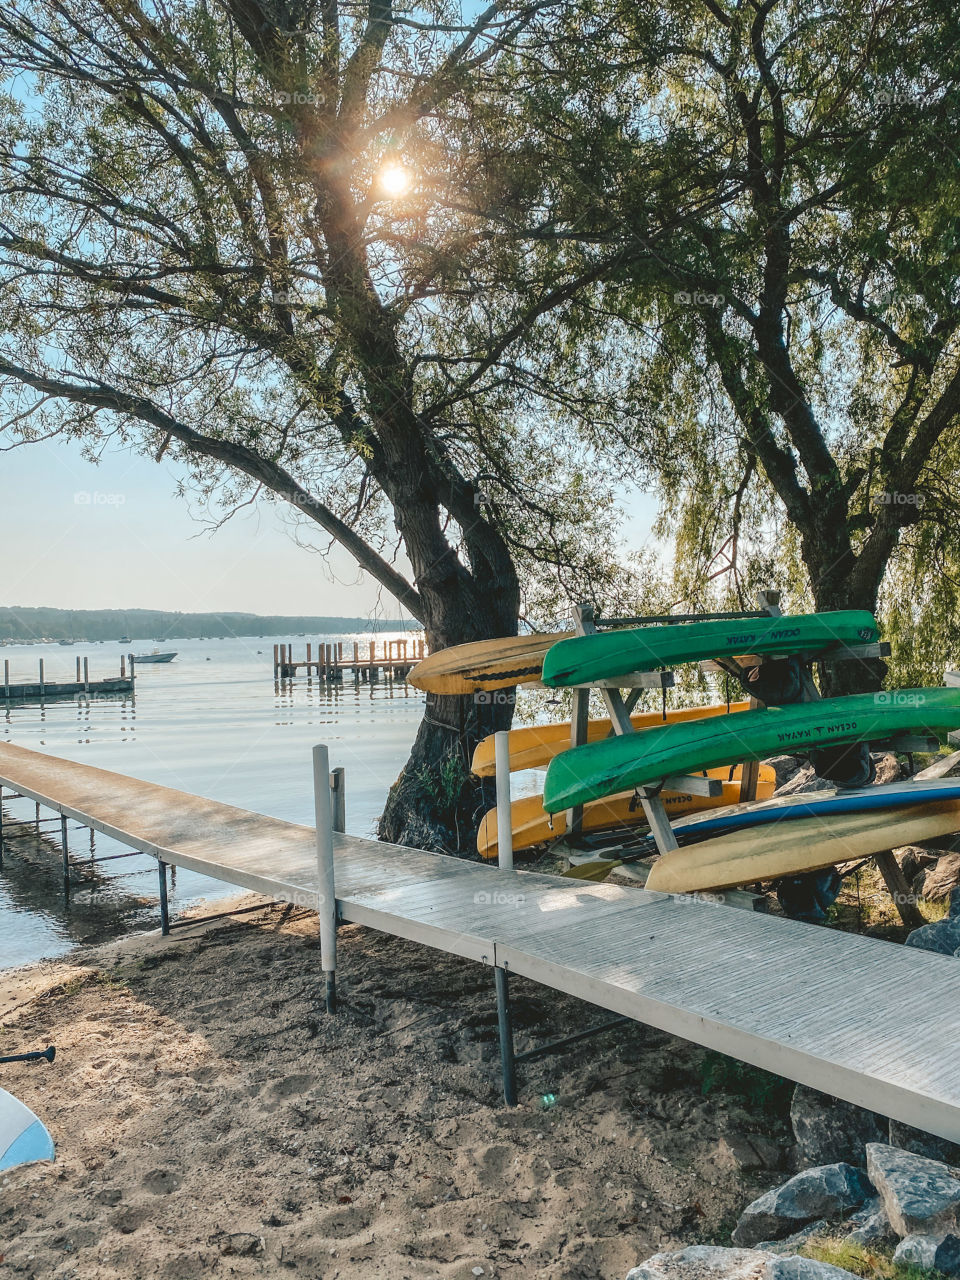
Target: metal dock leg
{"x":326,"y":885}
{"x":64,"y":849}
{"x":508,"y":1062}
{"x":164,"y":909}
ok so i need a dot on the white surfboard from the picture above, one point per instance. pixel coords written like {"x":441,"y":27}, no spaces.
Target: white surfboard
{"x":23,"y":1138}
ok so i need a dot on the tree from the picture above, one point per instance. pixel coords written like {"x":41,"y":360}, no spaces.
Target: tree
{"x":790,"y":354}
{"x":252,"y":235}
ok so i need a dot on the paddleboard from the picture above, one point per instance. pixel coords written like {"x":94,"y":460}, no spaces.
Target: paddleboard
{"x":607,"y":654}
{"x":601,"y":768}
{"x":809,"y":844}
{"x":484,"y":664}
{"x":812,"y":804}
{"x":533,"y":825}
{"x":535,"y":747}
{"x":23,"y":1138}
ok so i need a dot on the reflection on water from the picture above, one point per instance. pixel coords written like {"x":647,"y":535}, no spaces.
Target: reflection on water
{"x":212,"y":722}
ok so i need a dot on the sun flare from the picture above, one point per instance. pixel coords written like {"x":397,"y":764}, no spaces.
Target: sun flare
{"x":395,"y":179}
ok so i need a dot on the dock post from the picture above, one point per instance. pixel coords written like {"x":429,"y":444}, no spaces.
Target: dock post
{"x":326,"y":884}
{"x":339,"y":798}
{"x":276,"y":659}
{"x":164,"y":906}
{"x":6,"y":679}
{"x":42,"y":686}
{"x":123,"y":668}
{"x":501,"y":755}
{"x":78,"y":668}
{"x":508,"y":1062}
{"x":86,"y":676}
{"x":64,"y":849}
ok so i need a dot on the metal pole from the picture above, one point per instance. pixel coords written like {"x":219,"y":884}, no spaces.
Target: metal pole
{"x":164,"y":908}
{"x":501,"y":756}
{"x":508,"y":1065}
{"x":326,"y":885}
{"x":65,"y":852}
{"x":338,"y":793}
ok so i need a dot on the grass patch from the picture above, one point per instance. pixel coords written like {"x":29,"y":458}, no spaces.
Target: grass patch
{"x":869,"y":1263}
{"x":760,"y":1090}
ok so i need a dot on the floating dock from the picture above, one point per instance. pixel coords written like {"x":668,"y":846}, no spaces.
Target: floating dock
{"x":858,"y":1018}
{"x":332,"y":661}
{"x":43,"y":690}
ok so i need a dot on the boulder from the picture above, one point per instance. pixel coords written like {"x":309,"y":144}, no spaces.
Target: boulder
{"x":886,"y":768}
{"x":805,"y":779}
{"x":791,"y":1243}
{"x":831,"y":1131}
{"x":931,"y":1253}
{"x":941,"y":878}
{"x":924,"y":1144}
{"x":871,"y":1226}
{"x":711,"y":1262}
{"x":785,"y":767}
{"x":920,"y":1196}
{"x":942,"y":936}
{"x":913,"y":860}
{"x":829,"y":1191}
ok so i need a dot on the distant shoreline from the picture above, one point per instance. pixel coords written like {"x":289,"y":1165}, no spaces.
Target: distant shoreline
{"x":37,"y":625}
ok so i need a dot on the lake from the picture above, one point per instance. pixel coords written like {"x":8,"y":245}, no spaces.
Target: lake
{"x":211,"y":722}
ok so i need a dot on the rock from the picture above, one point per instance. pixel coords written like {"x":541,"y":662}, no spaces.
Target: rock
{"x":793,"y":1242}
{"x":931,"y":1253}
{"x":942,"y":878}
{"x":923,"y":1144}
{"x":942,"y":936}
{"x":828,"y":1191}
{"x":913,"y":860}
{"x":920,"y":1196}
{"x":954,"y":904}
{"x":805,"y":779}
{"x":830,"y":1131}
{"x":698,"y":1262}
{"x":711,"y":1262}
{"x":886,"y":768}
{"x":870,"y":1226}
{"x":785,"y":767}
{"x":748,"y":1151}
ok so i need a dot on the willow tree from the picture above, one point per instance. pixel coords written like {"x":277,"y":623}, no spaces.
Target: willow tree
{"x":789,"y":357}
{"x":252,"y":235}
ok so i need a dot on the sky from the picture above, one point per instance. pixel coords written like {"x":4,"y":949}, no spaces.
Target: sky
{"x":117,"y":535}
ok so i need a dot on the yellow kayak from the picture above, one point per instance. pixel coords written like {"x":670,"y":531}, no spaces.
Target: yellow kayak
{"x":535,"y":747}
{"x":485,"y":664}
{"x":802,"y":844}
{"x":533,"y":825}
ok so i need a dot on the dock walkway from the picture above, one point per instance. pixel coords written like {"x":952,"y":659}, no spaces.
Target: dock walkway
{"x":858,"y":1018}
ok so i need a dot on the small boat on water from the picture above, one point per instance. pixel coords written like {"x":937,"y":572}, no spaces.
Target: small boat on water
{"x":156,"y":656}
{"x":124,"y":640}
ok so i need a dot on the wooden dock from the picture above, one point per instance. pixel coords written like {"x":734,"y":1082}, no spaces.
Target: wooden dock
{"x":331,"y":662}
{"x":43,"y":690}
{"x":858,"y":1018}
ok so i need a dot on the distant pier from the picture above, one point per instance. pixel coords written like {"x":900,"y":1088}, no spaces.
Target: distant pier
{"x":331,"y":661}
{"x":41,"y":689}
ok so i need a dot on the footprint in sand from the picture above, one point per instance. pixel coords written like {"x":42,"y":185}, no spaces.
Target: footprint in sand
{"x":162,"y":1181}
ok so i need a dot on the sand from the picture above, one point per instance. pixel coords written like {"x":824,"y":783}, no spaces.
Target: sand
{"x":211,"y":1120}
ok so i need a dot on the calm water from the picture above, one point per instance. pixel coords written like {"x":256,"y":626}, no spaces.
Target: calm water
{"x":211,"y":722}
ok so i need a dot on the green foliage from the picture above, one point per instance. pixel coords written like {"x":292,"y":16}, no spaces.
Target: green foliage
{"x":870,"y":1263}
{"x":760,"y":1090}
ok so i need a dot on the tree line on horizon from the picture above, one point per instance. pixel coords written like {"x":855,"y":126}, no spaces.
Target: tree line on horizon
{"x":30,"y":624}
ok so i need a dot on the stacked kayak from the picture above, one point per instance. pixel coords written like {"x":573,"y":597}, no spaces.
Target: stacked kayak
{"x":532,"y":824}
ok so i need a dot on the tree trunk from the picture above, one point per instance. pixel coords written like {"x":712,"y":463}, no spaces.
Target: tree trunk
{"x":436,"y":803}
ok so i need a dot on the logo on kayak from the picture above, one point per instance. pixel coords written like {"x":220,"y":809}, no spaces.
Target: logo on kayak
{"x":867,"y":634}
{"x":784,"y":633}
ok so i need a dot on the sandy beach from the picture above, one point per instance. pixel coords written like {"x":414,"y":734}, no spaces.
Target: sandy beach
{"x":210,"y":1119}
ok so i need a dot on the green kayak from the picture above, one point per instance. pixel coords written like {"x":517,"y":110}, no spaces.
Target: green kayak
{"x":637,"y":759}
{"x":602,"y":656}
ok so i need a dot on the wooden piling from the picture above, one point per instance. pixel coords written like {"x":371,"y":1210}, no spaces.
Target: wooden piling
{"x":42,"y":686}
